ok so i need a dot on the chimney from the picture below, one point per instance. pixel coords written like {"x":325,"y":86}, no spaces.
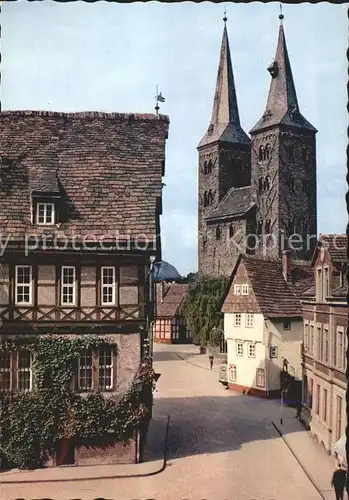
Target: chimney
{"x":160,"y":291}
{"x":287,"y":264}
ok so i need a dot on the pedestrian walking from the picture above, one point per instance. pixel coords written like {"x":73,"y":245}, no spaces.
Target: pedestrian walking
{"x":338,"y":481}
{"x":210,"y":356}
{"x":211,"y":361}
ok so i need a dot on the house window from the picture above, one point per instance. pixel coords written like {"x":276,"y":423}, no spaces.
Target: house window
{"x":325,"y":405}
{"x":45,"y":214}
{"x":273,"y":351}
{"x":338,"y":418}
{"x":105,"y":368}
{"x":68,"y":285}
{"x":260,"y":377}
{"x":311,"y":340}
{"x":249,"y":320}
{"x":317,"y":407}
{"x":85,"y":370}
{"x":244,"y":289}
{"x":251,"y":350}
{"x":306,"y":337}
{"x":239,"y":348}
{"x":310,"y":401}
{"x":287,"y":324}
{"x":340,"y":348}
{"x":237,"y":289}
{"x":325,"y":345}
{"x":23,"y":284}
{"x":95,"y":369}
{"x":5,"y":371}
{"x":23,"y":361}
{"x":319,"y":343}
{"x":108,"y":285}
{"x":237,"y":319}
{"x":232,"y":373}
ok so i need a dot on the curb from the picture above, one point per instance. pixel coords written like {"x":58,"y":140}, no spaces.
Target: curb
{"x":297,"y":459}
{"x":94,"y":478}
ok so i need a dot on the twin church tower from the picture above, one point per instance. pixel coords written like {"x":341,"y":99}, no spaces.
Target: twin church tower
{"x":257,"y":195}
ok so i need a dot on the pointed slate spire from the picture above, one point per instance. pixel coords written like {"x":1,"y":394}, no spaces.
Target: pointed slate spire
{"x":282,"y":105}
{"x":225,"y":121}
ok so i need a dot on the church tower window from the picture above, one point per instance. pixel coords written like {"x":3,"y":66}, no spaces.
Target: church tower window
{"x":218,"y":233}
{"x":267,"y":226}
{"x":209,"y":167}
{"x":231,"y":230}
{"x":266,"y":184}
{"x":291,"y":183}
{"x":259,"y":227}
{"x":260,"y":185}
{"x":267,"y":152}
{"x":205,"y":199}
{"x":261,"y":153}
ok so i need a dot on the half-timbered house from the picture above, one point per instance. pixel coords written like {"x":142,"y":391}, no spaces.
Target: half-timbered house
{"x":80,"y":204}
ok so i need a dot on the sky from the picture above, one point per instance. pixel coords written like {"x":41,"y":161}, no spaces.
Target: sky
{"x":109,"y":57}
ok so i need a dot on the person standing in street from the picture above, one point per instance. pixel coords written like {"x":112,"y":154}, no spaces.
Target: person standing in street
{"x":338,"y":481}
{"x":210,"y":357}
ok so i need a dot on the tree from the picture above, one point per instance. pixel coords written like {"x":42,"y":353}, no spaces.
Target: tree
{"x":202,"y":309}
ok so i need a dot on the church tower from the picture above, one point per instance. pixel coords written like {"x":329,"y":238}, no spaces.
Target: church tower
{"x":224,"y":163}
{"x":283,"y":167}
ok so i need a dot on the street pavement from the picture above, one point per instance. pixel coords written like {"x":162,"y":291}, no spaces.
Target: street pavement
{"x":221,"y":445}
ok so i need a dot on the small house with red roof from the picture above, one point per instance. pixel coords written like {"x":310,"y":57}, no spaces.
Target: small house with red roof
{"x":170,"y":326}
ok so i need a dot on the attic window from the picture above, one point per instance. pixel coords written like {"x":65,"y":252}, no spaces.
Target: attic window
{"x":287,"y":324}
{"x":244,"y":289}
{"x":45,"y":214}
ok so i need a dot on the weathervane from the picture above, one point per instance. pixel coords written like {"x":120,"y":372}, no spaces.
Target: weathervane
{"x":225,"y":19}
{"x":281,"y":16}
{"x":158,"y":98}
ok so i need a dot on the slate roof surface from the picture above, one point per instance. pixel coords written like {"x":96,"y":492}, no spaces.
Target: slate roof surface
{"x":341,"y":291}
{"x":107,"y":168}
{"x":236,"y":202}
{"x":172,"y":300}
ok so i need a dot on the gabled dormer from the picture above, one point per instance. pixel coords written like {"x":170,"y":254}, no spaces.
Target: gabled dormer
{"x":46,"y":199}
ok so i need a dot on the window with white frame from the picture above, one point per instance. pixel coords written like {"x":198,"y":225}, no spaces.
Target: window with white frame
{"x":108,"y":285}
{"x":249,"y":320}
{"x":260,"y":377}
{"x":68,"y":285}
{"x":85,"y":370}
{"x":273,"y":351}
{"x":24,"y":370}
{"x":23,"y":285}
{"x":251,"y":350}
{"x":239,"y":348}
{"x":311,"y":339}
{"x":287,"y":324}
{"x":105,"y":368}
{"x":232,"y":373}
{"x":319,"y":287}
{"x":237,"y":319}
{"x":45,"y":213}
{"x":244,"y":289}
{"x":96,"y":369}
{"x":237,"y":289}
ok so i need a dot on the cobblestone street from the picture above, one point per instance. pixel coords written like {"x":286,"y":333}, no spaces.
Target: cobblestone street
{"x":221,"y":445}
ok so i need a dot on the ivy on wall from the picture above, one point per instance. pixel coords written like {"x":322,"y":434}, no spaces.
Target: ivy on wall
{"x":202,"y":309}
{"x":33,"y":423}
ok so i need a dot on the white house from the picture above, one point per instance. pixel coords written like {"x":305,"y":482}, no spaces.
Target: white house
{"x":263,"y":324}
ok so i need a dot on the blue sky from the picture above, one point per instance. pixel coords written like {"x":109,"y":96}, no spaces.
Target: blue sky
{"x":109,"y":57}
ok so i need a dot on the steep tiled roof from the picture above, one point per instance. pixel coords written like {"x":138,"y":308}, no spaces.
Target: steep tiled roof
{"x":173,"y":299}
{"x":276,"y":297}
{"x":236,"y":202}
{"x":341,"y":291}
{"x":107,"y":168}
{"x":336,"y":244}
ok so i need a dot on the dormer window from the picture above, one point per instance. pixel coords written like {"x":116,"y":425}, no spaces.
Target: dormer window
{"x":45,"y":214}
